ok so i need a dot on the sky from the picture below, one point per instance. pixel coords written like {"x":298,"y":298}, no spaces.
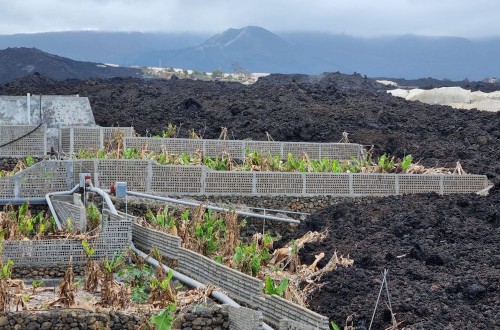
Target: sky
{"x":363,"y":18}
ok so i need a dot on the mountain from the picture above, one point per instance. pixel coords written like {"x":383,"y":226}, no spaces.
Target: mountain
{"x":122,"y":48}
{"x":259,"y":50}
{"x":19,"y":62}
{"x":254,"y":48}
{"x":407,"y":56}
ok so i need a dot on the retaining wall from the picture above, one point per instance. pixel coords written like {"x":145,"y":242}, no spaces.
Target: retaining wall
{"x":286,"y":324}
{"x":147,"y":176}
{"x":70,"y":208}
{"x":215,"y":317}
{"x":73,"y":140}
{"x":53,"y":110}
{"x":245,"y":319}
{"x":34,"y":144}
{"x":237,"y":148}
{"x":75,"y":319}
{"x":198,"y":317}
{"x":237,"y":285}
{"x":115,"y":237}
{"x":276,"y":308}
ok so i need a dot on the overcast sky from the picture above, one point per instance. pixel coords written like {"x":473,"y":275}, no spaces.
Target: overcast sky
{"x":467,"y":18}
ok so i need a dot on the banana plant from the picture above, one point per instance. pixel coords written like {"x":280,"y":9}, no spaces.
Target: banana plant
{"x":271,"y":288}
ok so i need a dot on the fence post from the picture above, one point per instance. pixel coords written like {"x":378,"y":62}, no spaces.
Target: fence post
{"x":44,"y":140}
{"x":351,"y":186}
{"x":70,"y":174}
{"x":149,"y":176}
{"x":243,"y":151}
{"x":441,"y":184}
{"x":101,"y":138}
{"x":203,"y":181}
{"x":304,"y":188}
{"x":17,"y":186}
{"x":96,"y":173}
{"x":396,"y":184}
{"x":254,"y":183}
{"x":71,"y":141}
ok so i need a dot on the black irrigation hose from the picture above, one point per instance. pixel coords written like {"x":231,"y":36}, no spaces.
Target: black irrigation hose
{"x":30,"y":132}
{"x":22,"y":136}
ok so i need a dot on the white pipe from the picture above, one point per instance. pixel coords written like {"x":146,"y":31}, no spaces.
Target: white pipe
{"x":191,"y":282}
{"x":51,"y":207}
{"x":215,"y":208}
{"x":104,"y":195}
{"x":183,"y":278}
{"x":277,"y":211}
{"x":31,"y":200}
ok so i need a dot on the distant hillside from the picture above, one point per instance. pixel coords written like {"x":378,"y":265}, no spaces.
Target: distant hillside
{"x":409,"y":56}
{"x":122,"y":48}
{"x":254,"y":48}
{"x":259,"y":50}
{"x":20,"y":62}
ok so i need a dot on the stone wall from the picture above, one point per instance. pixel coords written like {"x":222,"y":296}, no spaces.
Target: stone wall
{"x":41,"y":272}
{"x":73,"y":319}
{"x":295,"y":204}
{"x":206,"y":318}
{"x":192,"y":318}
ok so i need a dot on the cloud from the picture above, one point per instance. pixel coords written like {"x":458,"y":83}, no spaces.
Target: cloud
{"x":356,"y":17}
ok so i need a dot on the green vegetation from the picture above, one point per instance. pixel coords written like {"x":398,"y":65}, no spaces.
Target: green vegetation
{"x":334,"y":326}
{"x":163,"y":218}
{"x":20,"y":224}
{"x":271,"y":288}
{"x":93,"y":217}
{"x":21,"y":165}
{"x":165,"y":319}
{"x":170,"y":132}
{"x":209,"y":231}
{"x":255,"y":161}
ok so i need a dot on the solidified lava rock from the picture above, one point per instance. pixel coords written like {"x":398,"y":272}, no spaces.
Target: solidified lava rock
{"x":450,"y":278}
{"x":441,"y":251}
{"x":292,"y":108}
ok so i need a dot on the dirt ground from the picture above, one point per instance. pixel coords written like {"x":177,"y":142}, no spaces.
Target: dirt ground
{"x":441,"y":251}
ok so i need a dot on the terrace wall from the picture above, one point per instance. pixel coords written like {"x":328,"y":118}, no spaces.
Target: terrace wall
{"x":237,"y":285}
{"x":32,"y":141}
{"x":148,"y":176}
{"x":73,"y":140}
{"x":115,"y":237}
{"x":52,"y":110}
{"x":237,"y":149}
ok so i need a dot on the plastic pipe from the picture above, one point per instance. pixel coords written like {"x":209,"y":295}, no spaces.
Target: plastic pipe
{"x":184,"y":279}
{"x":51,"y":207}
{"x":277,"y":211}
{"x":215,"y":208}
{"x":104,"y":195}
{"x":34,"y":201}
{"x":191,"y":282}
